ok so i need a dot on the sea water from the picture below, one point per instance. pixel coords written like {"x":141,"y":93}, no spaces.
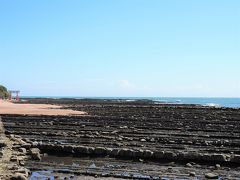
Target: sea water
{"x":221,"y":102}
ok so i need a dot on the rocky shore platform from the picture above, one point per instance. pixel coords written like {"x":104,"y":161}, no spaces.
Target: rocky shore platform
{"x":118,"y":139}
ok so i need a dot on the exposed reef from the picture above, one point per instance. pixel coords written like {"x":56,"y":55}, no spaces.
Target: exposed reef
{"x":155,"y":140}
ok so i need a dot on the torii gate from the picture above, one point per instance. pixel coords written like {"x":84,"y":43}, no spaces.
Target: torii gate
{"x":11,"y":92}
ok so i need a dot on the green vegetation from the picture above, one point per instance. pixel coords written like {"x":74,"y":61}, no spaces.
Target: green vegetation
{"x":3,"y":92}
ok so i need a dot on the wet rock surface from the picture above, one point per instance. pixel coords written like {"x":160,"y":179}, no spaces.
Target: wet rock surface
{"x":154,"y":140}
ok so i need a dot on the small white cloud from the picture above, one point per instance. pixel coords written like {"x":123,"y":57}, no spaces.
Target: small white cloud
{"x":126,"y":84}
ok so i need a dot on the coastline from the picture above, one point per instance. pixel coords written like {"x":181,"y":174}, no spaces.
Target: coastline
{"x":173,"y":140}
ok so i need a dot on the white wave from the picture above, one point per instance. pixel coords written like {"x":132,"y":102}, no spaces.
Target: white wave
{"x":212,"y":105}
{"x":130,"y":100}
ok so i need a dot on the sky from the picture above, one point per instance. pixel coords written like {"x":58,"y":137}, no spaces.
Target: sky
{"x":131,"y":48}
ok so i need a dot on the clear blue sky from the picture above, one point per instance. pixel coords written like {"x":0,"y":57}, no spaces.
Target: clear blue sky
{"x":121,"y":47}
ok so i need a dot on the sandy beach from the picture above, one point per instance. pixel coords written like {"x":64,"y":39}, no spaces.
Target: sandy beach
{"x":7,"y":107}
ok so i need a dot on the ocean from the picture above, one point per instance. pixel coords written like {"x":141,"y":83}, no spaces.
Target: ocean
{"x":221,"y":102}
{"x":218,"y":102}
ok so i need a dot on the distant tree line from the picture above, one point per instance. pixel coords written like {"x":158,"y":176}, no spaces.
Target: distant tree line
{"x":4,"y":94}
